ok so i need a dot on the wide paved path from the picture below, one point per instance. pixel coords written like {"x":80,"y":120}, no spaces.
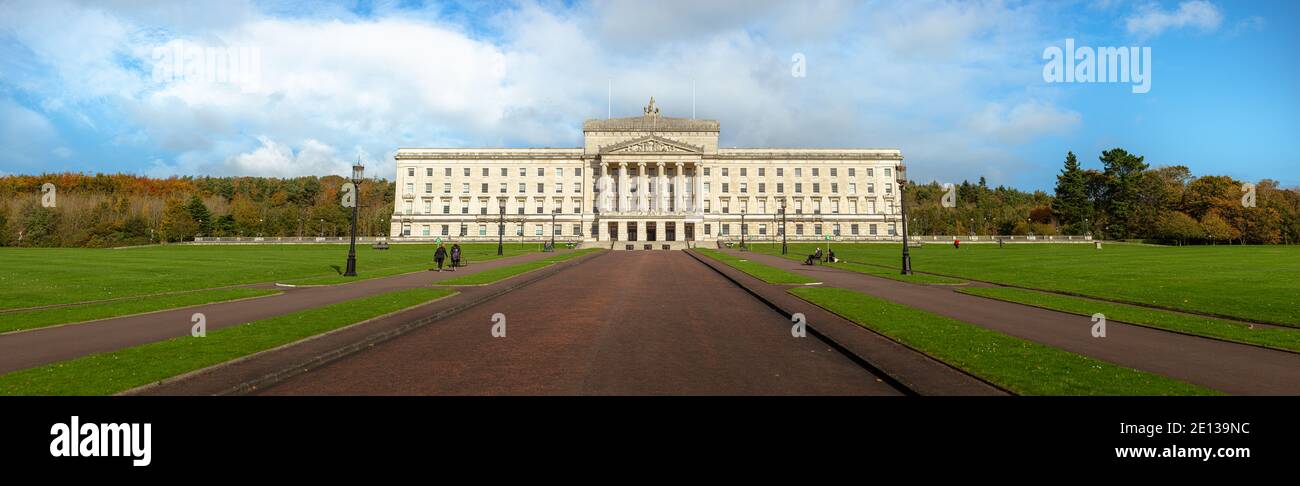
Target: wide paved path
{"x":626,"y":323}
{"x":36,"y":347}
{"x":1229,"y":367}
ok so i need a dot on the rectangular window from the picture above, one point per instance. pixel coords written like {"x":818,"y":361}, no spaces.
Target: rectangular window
{"x":707,"y":206}
{"x":853,"y":229}
{"x":428,"y":206}
{"x":464,"y":188}
{"x":503,"y":188}
{"x":724,"y":172}
{"x":523,"y":187}
{"x":853,"y":206}
{"x":444,"y":230}
{"x":853,"y":188}
{"x":428,"y":188}
{"x":835,"y":206}
{"x":835,"y":229}
{"x":887,"y":172}
{"x":482,"y":230}
{"x":871,"y":188}
{"x":761,"y":172}
{"x":742,"y":171}
{"x":485,"y":172}
{"x":541,"y":188}
{"x":428,"y":171}
{"x":559,"y":172}
{"x":835,"y":188}
{"x":852,"y":172}
{"x":762,"y":230}
{"x":465,"y":172}
{"x":726,"y":188}
{"x":708,"y":229}
{"x":780,"y":188}
{"x":762,"y":187}
{"x":798,"y":188}
{"x":503,"y":172}
{"x":780,"y":172}
{"x":446,"y":172}
{"x":871,"y":173}
{"x":871,"y":229}
{"x":798,"y":229}
{"x":798,"y":171}
{"x":706,"y":171}
{"x":424,"y":230}
{"x":446,"y":207}
{"x":744,"y":188}
{"x":483,"y":188}
{"x":410,"y":172}
{"x":706,"y":187}
{"x":815,"y":172}
{"x":726,"y":229}
{"x":832,"y":172}
{"x":892,"y":230}
{"x":446,"y":188}
{"x":817,"y":188}
{"x":817,"y":229}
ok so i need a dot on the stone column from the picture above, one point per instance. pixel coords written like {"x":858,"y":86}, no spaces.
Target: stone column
{"x":661,"y":183}
{"x":698,"y":199}
{"x":641,"y":186}
{"x":679,"y":191}
{"x":622,"y":187}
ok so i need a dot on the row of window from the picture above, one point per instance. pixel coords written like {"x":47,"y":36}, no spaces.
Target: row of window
{"x":724,"y":229}
{"x":854,"y":229}
{"x":798,"y":171}
{"x":797,"y":207}
{"x":798,"y":188}
{"x":505,"y":171}
{"x":502,"y":188}
{"x":483,"y":208}
{"x":463,"y":230}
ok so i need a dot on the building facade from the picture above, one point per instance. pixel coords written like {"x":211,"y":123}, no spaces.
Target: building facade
{"x":648,"y":181}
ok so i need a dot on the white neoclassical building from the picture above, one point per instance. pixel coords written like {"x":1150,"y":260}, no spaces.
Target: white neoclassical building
{"x":647,"y":181}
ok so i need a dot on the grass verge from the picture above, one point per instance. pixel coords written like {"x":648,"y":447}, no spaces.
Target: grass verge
{"x":18,"y":321}
{"x":501,"y":273}
{"x":757,"y":270}
{"x":117,"y":371}
{"x":1023,"y":367}
{"x":865,"y":268}
{"x":1267,"y":336}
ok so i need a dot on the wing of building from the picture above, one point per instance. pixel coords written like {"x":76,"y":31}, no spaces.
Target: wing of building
{"x":647,"y":181}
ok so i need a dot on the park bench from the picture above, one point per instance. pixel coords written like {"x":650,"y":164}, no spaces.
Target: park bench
{"x":913,"y":244}
{"x":380,"y":245}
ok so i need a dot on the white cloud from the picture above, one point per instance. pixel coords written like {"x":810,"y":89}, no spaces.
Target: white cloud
{"x":943,"y":80}
{"x":1024,"y":121}
{"x":1151,"y":20}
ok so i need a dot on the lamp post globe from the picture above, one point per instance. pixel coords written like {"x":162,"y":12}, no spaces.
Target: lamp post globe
{"x":358,"y":172}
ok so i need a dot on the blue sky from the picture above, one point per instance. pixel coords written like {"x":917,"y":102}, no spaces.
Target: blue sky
{"x":958,"y":86}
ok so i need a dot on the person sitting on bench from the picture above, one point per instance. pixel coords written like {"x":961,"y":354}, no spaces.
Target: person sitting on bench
{"x":830,"y":256}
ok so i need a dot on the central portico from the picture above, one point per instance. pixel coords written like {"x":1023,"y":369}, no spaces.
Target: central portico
{"x":647,"y":173}
{"x":648,"y":181}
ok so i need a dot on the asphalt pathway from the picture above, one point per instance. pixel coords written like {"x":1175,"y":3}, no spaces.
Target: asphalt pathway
{"x":1228,"y":367}
{"x":638,"y":323}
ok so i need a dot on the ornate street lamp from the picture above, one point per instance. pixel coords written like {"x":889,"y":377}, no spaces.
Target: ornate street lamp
{"x":900,"y":172}
{"x":501,"y":229}
{"x":784,"y":249}
{"x":358,"y":172}
{"x":742,"y":229}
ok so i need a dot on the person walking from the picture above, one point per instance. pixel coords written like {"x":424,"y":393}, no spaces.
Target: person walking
{"x":440,"y":255}
{"x":455,"y":256}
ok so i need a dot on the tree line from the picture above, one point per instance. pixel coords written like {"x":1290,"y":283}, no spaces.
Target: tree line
{"x":1122,"y":199}
{"x":105,"y":210}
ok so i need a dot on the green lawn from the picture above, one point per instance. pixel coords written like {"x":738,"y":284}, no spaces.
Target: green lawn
{"x":43,"y":276}
{"x":1247,"y":282}
{"x":874,"y":270}
{"x":1273,"y":337}
{"x":117,"y":371}
{"x":19,"y":320}
{"x":1021,"y":366}
{"x":757,"y":270}
{"x":501,"y":273}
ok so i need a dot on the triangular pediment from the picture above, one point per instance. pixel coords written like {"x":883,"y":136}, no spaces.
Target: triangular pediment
{"x":651,"y":144}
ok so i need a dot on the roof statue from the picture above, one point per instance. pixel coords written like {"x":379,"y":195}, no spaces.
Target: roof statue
{"x":651,"y":109}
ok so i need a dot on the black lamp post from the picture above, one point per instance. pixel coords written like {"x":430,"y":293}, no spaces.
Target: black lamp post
{"x":900,"y":172}
{"x":501,"y":229}
{"x":553,"y":212}
{"x":358,"y":171}
{"x":784,"y":249}
{"x":742,"y":229}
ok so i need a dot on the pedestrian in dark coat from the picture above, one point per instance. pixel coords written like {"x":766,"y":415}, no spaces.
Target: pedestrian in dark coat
{"x":440,"y":255}
{"x":455,"y":256}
